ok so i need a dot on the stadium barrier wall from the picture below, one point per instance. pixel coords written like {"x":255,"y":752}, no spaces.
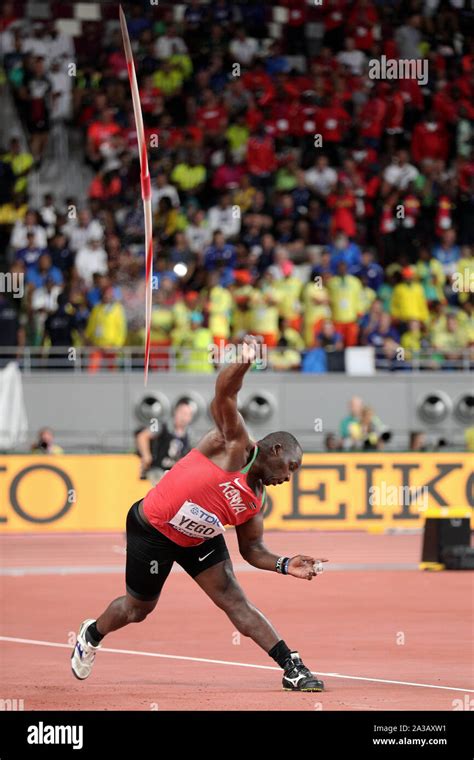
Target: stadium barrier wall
{"x":370,"y":491}
{"x":100,"y":410}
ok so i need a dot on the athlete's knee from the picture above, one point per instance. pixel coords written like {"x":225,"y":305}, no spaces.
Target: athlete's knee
{"x":228,"y":593}
{"x":236,"y":605}
{"x":137,"y":611}
{"x":243,"y":615}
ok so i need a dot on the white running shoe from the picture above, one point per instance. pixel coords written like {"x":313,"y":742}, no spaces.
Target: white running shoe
{"x":83,"y":655}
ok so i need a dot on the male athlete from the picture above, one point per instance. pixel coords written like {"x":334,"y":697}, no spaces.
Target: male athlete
{"x":220,"y":482}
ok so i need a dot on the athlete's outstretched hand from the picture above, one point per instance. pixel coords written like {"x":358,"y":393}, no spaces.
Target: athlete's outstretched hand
{"x":302,"y":566}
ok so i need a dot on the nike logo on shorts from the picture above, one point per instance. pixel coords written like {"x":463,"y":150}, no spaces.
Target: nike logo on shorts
{"x":201,"y":559}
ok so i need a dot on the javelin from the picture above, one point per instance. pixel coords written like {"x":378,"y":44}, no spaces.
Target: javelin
{"x":145,"y":183}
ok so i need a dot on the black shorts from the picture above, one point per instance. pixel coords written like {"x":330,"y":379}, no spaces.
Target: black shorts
{"x":150,"y":557}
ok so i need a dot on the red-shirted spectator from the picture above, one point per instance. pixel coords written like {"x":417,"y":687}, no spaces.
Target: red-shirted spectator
{"x":332,"y":122}
{"x":333,"y":12}
{"x":395,"y":110}
{"x":360,"y":24}
{"x":444,"y":106}
{"x":372,"y":119}
{"x":444,"y":215}
{"x":412,"y":94}
{"x":303,"y":117}
{"x":430,"y":140}
{"x":150,"y":97}
{"x":363,"y":155}
{"x":253,"y":116}
{"x":100,"y":132}
{"x":106,"y":187}
{"x":261,"y":158}
{"x":260,"y":84}
{"x":342,"y":203}
{"x":212,"y":116}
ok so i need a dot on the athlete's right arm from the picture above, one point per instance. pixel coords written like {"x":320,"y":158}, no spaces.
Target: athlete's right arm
{"x":229,"y":382}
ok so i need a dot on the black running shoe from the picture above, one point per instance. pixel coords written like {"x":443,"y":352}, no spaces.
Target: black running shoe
{"x":297,"y":677}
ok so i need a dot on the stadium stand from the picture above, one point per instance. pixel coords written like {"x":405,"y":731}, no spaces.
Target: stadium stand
{"x":295,"y":195}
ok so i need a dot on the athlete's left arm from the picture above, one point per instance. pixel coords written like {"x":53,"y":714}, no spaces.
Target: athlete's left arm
{"x":251,"y":546}
{"x":254,"y":551}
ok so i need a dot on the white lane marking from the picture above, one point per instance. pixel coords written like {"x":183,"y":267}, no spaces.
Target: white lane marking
{"x":241,"y":567}
{"x":35,"y":642}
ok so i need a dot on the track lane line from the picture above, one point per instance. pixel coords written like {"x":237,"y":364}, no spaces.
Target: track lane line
{"x":36,"y":642}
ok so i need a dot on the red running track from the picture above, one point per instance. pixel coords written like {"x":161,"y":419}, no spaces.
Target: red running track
{"x":373,"y":627}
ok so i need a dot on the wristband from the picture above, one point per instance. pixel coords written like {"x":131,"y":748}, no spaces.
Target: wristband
{"x":281,"y":565}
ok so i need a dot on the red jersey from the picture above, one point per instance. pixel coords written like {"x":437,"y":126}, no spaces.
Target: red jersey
{"x":211,"y":118}
{"x":261,"y":157}
{"x":99,"y":132}
{"x":196,"y":499}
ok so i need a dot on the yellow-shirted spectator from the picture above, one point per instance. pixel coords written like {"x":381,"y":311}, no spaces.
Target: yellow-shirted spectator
{"x":182,"y":62}
{"x":437,"y":319}
{"x":168,"y":220}
{"x":13,"y":212}
{"x":181,"y":340}
{"x":189,"y":176}
{"x":244,"y":195}
{"x":284,"y":358}
{"x":161,"y":325}
{"x":181,"y":315}
{"x":168,"y":79}
{"x":408,"y":299}
{"x":199,"y":357}
{"x":291,"y":337}
{"x":106,"y":330}
{"x":266,"y":302}
{"x":411,"y":338}
{"x":466,"y":323}
{"x":107,"y":325}
{"x":431,"y":274}
{"x":367,"y":297}
{"x":316,"y":309}
{"x":219,"y":308}
{"x":238,"y":136}
{"x":21,"y":163}
{"x":162,"y":322}
{"x":345,"y":297}
{"x":453,"y":338}
{"x":289,"y":288}
{"x":243,"y":294}
{"x":181,"y":336}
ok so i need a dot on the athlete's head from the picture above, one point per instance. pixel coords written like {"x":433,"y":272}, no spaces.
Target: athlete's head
{"x":279,"y":455}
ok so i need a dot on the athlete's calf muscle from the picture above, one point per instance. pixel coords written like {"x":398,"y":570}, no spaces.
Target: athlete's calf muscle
{"x":221,"y":585}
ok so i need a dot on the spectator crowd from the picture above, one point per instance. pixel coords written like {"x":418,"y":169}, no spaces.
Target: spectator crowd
{"x":294,"y":196}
